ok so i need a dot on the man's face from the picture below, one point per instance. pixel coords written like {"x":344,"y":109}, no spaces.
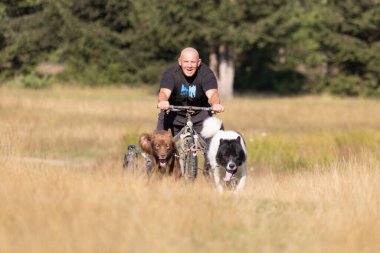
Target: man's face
{"x":189,"y":63}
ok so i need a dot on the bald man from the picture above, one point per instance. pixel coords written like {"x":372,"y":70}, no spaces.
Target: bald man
{"x":188,"y":82}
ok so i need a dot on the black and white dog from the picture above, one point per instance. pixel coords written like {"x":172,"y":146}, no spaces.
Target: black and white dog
{"x":227,"y":154}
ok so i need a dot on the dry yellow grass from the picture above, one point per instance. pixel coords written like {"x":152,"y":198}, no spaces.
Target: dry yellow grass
{"x":63,"y":190}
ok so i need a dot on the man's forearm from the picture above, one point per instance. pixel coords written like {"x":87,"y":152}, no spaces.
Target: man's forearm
{"x":214,"y":99}
{"x":162,"y":96}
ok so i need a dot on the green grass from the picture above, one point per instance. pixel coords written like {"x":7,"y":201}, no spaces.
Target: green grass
{"x":306,"y":151}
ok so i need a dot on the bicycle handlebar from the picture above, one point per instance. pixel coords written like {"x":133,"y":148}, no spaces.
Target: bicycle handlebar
{"x":176,"y":108}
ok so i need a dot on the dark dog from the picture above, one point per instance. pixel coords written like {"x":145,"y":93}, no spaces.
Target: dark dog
{"x":162,"y":150}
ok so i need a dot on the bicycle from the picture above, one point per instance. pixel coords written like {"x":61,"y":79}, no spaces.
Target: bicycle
{"x":189,"y":143}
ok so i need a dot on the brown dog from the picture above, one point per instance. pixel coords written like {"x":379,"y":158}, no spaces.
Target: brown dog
{"x":162,"y":150}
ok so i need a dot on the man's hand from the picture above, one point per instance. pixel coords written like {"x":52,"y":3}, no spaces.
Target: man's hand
{"x":217,"y":108}
{"x":163,"y":105}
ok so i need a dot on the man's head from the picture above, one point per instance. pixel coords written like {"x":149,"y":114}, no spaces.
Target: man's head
{"x":189,"y":61}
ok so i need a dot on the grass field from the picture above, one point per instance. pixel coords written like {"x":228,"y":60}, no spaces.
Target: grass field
{"x":313,"y":184}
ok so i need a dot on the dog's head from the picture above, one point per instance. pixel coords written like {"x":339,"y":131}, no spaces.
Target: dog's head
{"x":230,"y":156}
{"x":159,"y":144}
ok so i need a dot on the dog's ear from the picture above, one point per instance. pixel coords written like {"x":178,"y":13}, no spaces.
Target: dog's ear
{"x":170,"y":132}
{"x":238,"y":139}
{"x":145,"y":142}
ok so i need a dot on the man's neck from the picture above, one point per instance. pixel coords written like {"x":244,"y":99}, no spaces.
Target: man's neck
{"x":191,"y":79}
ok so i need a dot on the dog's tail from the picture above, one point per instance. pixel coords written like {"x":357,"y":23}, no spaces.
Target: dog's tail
{"x":211,"y":126}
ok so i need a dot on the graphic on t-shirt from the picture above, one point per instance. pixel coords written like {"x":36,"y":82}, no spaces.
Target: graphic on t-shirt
{"x":184,"y":90}
{"x":191,"y":91}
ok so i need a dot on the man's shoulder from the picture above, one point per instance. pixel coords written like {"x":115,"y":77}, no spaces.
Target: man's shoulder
{"x":169,"y":77}
{"x":206,"y":72}
{"x":204,"y":68}
{"x":208,"y":78}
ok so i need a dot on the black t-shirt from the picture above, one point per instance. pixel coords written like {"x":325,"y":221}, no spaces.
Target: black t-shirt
{"x":188,"y":91}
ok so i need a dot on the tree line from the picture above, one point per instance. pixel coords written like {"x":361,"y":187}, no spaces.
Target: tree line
{"x":280,"y":46}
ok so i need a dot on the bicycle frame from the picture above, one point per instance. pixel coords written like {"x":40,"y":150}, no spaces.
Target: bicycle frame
{"x":189,"y":143}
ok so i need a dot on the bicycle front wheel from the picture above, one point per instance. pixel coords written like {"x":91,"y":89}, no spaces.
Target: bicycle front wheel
{"x":191,"y":166}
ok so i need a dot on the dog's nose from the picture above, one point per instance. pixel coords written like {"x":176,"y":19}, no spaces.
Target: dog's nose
{"x":232,"y":166}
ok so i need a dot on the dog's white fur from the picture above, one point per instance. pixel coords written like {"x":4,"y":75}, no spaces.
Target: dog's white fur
{"x":211,"y":128}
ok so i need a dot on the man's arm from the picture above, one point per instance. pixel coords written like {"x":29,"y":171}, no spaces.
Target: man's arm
{"x":214,"y":100}
{"x":163,"y":98}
